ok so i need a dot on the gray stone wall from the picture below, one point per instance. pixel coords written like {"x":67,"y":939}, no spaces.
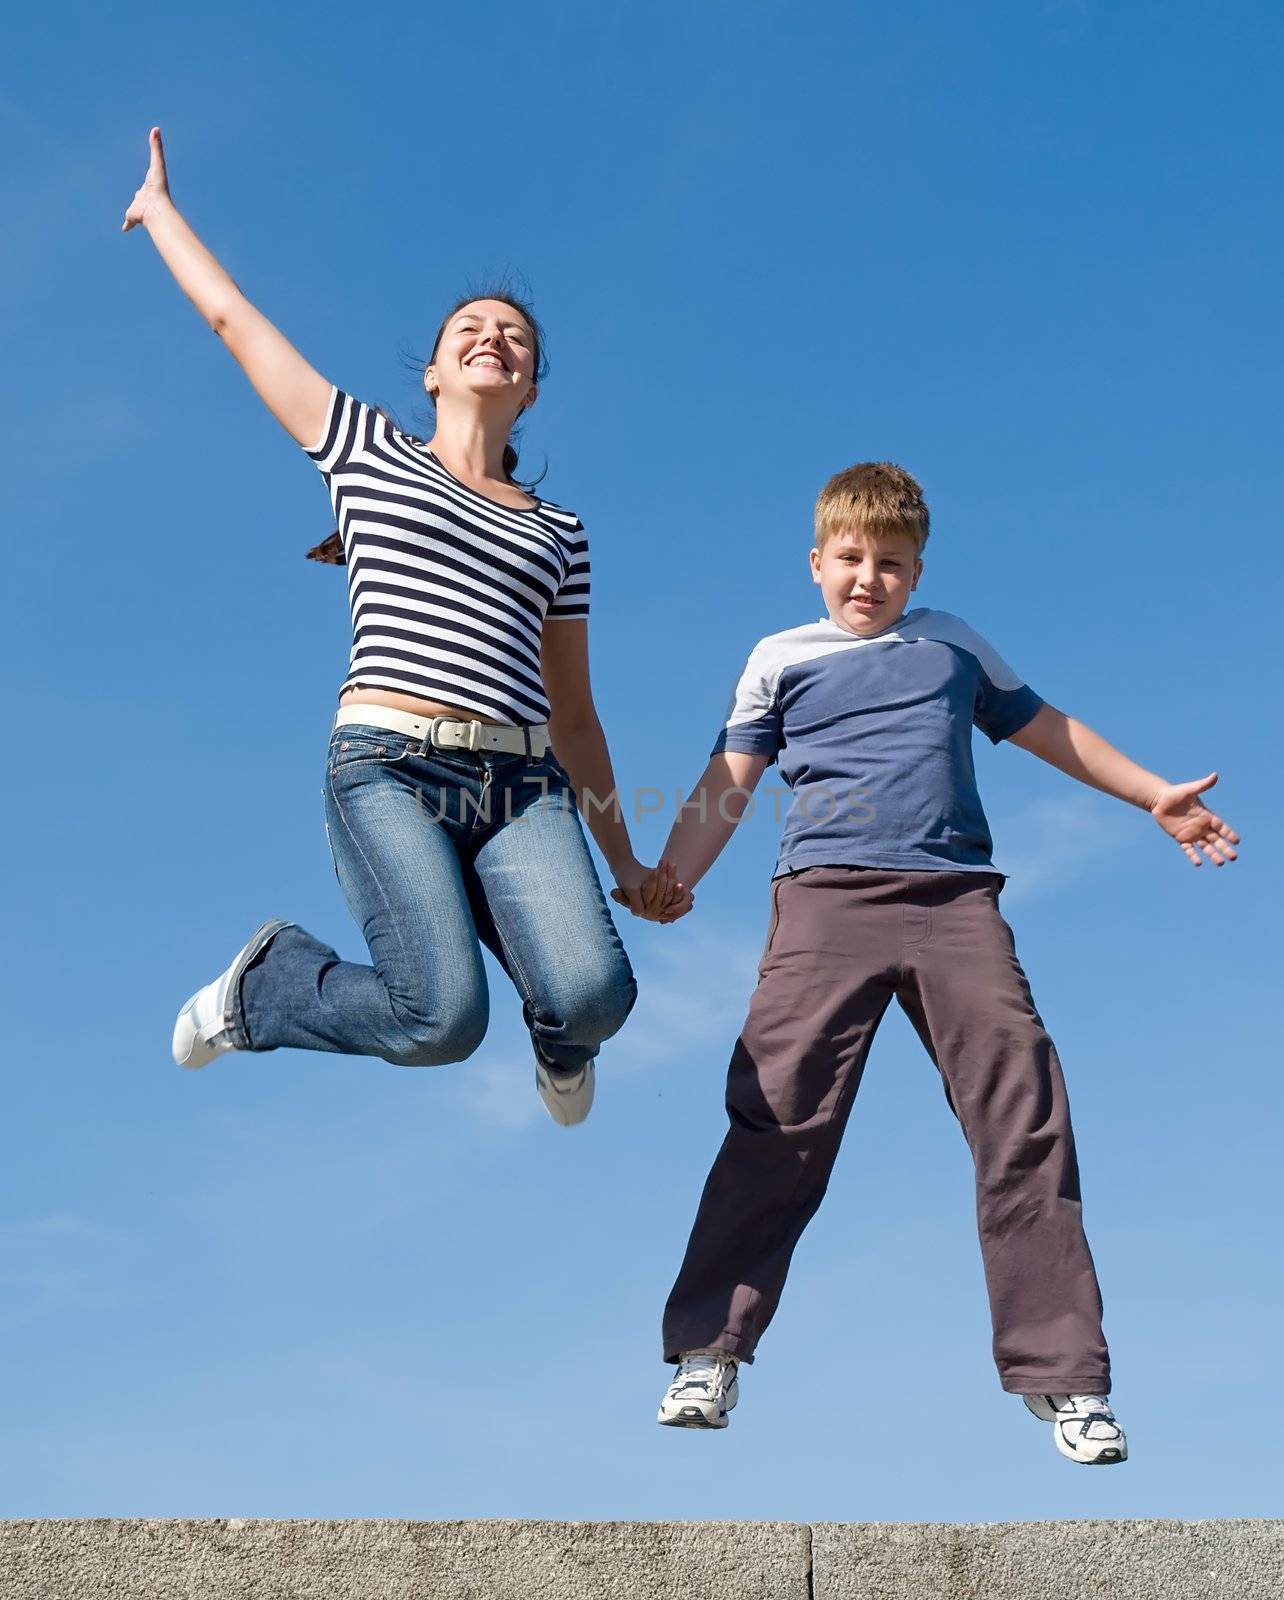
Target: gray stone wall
{"x":1144,"y":1560}
{"x":136,"y":1559}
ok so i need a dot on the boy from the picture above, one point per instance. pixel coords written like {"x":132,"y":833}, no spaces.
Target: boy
{"x":884,"y":888}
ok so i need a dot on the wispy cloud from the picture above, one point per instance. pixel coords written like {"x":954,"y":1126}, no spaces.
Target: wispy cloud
{"x":497,"y":1086}
{"x":344,"y":1177}
{"x":55,"y":1263}
{"x":693,"y":983}
{"x":692,"y":992}
{"x":418,"y":1130}
{"x":1052,"y":841}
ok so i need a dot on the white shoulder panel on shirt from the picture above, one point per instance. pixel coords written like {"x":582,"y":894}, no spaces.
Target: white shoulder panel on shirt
{"x":946,"y":628}
{"x":760,"y":679}
{"x":770,"y":656}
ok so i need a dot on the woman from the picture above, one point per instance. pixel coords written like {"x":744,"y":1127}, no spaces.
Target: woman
{"x":449,"y":818}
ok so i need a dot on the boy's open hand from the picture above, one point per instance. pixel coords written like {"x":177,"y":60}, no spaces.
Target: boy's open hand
{"x":656,"y":896}
{"x":1180,"y":812}
{"x":155,"y":186}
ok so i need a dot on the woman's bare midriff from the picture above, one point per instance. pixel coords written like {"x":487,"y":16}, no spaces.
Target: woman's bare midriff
{"x":410,"y":703}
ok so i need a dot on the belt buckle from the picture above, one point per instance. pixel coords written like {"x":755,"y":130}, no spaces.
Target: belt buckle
{"x":470,"y":740}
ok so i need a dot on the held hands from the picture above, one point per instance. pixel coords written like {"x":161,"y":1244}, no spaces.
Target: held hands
{"x":1180,"y":812}
{"x":155,"y":186}
{"x":656,"y":896}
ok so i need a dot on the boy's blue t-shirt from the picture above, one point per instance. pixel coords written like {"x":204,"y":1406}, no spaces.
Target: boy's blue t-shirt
{"x":874,"y":738}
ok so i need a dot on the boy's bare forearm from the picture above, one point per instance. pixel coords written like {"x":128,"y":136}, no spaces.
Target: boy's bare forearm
{"x":710,"y":815}
{"x":694,"y":845}
{"x":1072,"y":747}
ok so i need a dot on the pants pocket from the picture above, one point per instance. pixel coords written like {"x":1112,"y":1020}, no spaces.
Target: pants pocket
{"x":773,"y":922}
{"x":355,"y":746}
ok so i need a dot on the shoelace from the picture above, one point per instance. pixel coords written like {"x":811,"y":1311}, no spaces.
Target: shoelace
{"x":1090,"y":1410}
{"x":1095,"y":1405}
{"x":703,"y":1372}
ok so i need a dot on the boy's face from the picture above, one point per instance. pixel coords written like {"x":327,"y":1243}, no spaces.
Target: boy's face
{"x":866,"y":578}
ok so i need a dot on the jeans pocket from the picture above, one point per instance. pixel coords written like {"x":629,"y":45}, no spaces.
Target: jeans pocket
{"x":354,"y":745}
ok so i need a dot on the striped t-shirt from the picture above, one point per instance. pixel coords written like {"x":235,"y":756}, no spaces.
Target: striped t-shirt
{"x":873,"y":734}
{"x":449,"y":589}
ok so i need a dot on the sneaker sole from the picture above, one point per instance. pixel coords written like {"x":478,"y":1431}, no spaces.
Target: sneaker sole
{"x":1110,"y":1456}
{"x":186,"y":1045}
{"x":691,"y":1417}
{"x":555,"y":1102}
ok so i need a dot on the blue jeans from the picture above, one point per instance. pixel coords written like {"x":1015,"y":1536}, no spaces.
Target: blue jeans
{"x":436,"y":850}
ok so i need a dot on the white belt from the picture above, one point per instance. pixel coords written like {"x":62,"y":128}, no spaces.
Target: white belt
{"x":449,"y":733}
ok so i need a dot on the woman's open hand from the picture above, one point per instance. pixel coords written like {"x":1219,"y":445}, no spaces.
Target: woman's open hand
{"x":154,"y":187}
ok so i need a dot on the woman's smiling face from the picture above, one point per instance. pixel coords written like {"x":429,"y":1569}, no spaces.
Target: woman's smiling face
{"x":486,"y":348}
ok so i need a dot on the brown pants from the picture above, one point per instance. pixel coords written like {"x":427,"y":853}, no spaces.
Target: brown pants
{"x":842,"y":942}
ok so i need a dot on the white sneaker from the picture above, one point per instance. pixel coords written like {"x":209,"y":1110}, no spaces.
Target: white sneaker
{"x":704,"y":1389}
{"x":203,"y":1028}
{"x":567,"y":1096}
{"x":1083,"y":1425}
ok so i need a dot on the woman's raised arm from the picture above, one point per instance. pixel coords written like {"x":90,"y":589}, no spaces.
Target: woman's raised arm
{"x":294,"y":391}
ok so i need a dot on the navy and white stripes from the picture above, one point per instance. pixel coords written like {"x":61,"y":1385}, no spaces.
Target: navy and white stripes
{"x":449,"y":589}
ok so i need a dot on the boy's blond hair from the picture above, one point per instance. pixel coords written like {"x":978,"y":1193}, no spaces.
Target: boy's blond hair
{"x":873,"y":497}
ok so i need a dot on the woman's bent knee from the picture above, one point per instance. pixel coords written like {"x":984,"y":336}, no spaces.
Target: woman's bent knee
{"x":597,"y":1010}
{"x":626,"y":997}
{"x":437,"y":1043}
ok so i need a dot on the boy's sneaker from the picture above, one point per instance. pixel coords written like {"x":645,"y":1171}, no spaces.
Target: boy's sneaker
{"x":1083,"y":1425}
{"x":703,"y":1390}
{"x":203,"y":1028}
{"x":567,"y":1096}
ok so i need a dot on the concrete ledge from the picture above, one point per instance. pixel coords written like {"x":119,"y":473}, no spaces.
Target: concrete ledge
{"x":1143,"y":1560}
{"x":136,"y":1559}
{"x":130,"y":1559}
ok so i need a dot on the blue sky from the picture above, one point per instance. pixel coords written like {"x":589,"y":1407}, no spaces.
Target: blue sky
{"x":1031,"y":251}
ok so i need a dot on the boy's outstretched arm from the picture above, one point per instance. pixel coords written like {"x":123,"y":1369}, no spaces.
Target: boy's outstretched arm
{"x":705,"y":823}
{"x":1073,"y":747}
